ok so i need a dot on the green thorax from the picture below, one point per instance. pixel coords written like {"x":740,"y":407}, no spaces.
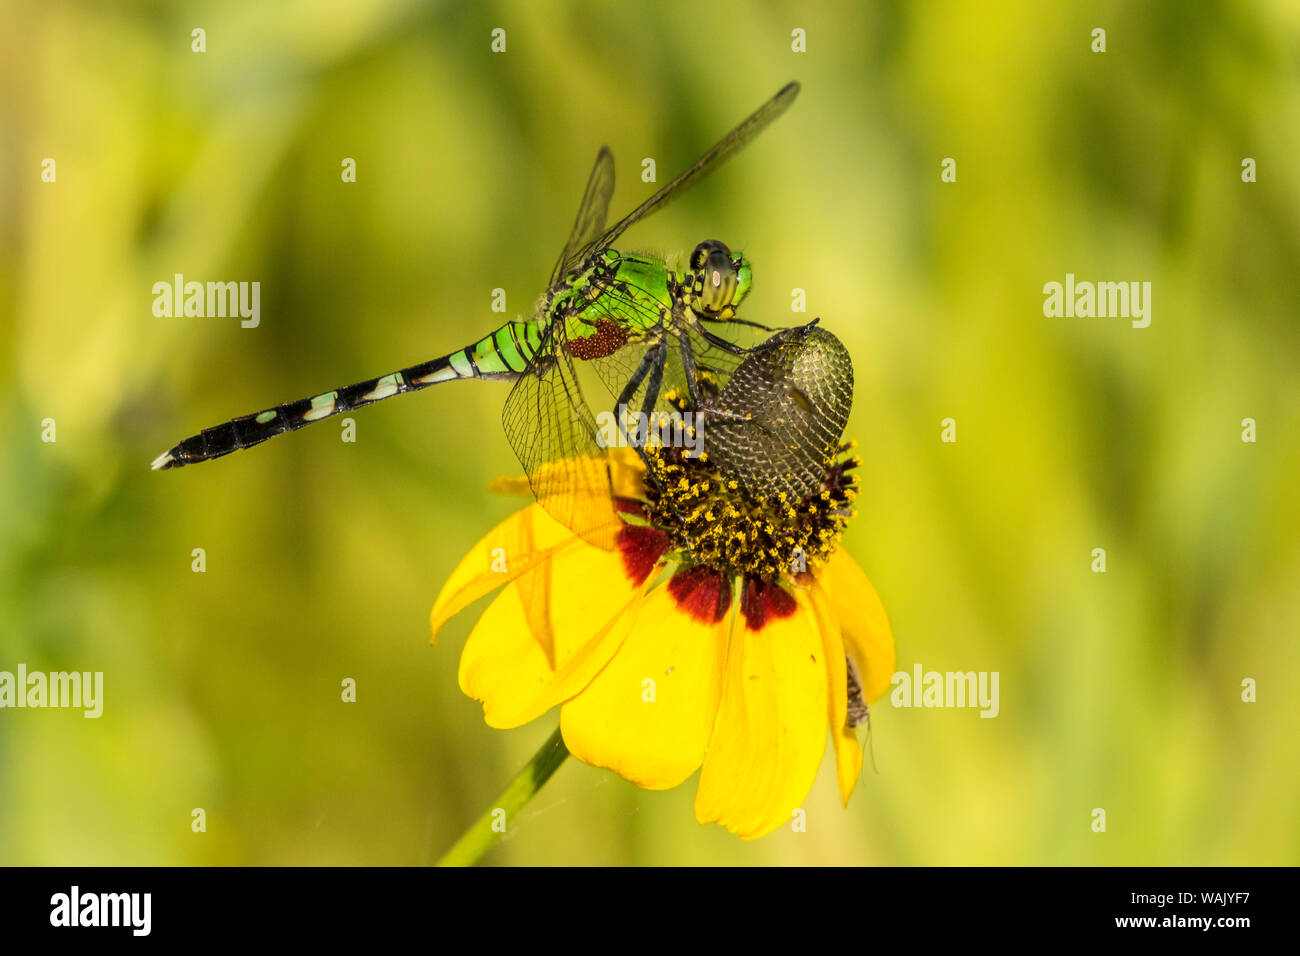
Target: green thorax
{"x":613,"y":299}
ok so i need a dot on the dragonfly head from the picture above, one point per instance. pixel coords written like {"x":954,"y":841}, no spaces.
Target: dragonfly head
{"x":720,"y":279}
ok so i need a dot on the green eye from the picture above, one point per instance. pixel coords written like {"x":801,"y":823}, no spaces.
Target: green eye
{"x":744,"y":277}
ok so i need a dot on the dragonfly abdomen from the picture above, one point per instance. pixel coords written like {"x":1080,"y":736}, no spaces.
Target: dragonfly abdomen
{"x":502,"y":355}
{"x":506,"y":352}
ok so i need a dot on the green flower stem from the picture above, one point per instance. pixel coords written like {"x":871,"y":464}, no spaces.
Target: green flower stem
{"x":481,"y":837}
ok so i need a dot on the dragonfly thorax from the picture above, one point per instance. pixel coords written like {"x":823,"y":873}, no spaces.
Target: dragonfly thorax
{"x":616,"y":298}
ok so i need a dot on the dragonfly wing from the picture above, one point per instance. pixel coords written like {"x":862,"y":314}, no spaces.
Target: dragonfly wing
{"x":712,"y":369}
{"x":552,"y":431}
{"x":794,"y":394}
{"x":737,"y":139}
{"x":591,"y":213}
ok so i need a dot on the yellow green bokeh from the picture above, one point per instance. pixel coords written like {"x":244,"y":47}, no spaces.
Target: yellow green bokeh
{"x":222,"y":690}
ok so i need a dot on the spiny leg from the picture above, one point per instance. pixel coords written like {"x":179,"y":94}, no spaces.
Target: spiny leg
{"x":689,"y":369}
{"x":634,"y":382}
{"x":625,"y":396}
{"x":655,"y":358}
{"x":728,"y":346}
{"x":652,"y":364}
{"x":659,"y":354}
{"x":693,"y":386}
{"x":719,"y":342}
{"x":735,"y":321}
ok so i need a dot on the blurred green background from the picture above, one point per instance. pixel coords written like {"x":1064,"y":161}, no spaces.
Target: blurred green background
{"x":1118,"y":690}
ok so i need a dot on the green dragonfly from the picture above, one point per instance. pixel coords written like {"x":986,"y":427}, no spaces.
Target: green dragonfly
{"x":643,"y":326}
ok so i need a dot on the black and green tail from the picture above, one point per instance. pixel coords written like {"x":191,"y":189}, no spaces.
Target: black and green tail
{"x":502,"y":355}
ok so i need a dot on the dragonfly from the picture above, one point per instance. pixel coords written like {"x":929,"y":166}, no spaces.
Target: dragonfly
{"x":641,"y":323}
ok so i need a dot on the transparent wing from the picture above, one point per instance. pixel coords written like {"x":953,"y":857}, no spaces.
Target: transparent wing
{"x":684,"y":350}
{"x":553,"y":433}
{"x":591,"y":213}
{"x":648,"y":325}
{"x":737,"y":139}
{"x":794,"y":394}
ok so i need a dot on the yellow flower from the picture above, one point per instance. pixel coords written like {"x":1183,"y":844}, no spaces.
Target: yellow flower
{"x":688,"y":644}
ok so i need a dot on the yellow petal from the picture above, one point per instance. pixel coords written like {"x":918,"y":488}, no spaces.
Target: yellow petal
{"x":770,"y":733}
{"x":867,"y":635}
{"x":848,"y":752}
{"x":520,"y":543}
{"x":648,"y":714}
{"x":626,"y":473}
{"x":626,"y":477}
{"x":577,"y":491}
{"x":592,"y":606}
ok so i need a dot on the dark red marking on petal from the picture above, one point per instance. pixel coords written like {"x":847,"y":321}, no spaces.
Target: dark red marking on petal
{"x":751,"y":604}
{"x":702,"y":593}
{"x":641,"y":548}
{"x":607,"y":339}
{"x":763,"y":601}
{"x":629,"y":506}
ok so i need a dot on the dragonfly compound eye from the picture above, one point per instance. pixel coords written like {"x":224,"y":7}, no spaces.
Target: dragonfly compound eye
{"x":719,"y":281}
{"x":744,"y":278}
{"x":703,"y":251}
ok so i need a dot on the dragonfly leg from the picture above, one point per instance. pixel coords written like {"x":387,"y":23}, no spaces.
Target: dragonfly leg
{"x":635,"y":381}
{"x":652,"y":361}
{"x":691,"y":372}
{"x":735,"y":321}
{"x":719,"y":342}
{"x":657,"y":355}
{"x":734,"y":349}
{"x":693,"y":386}
{"x":698,"y":401}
